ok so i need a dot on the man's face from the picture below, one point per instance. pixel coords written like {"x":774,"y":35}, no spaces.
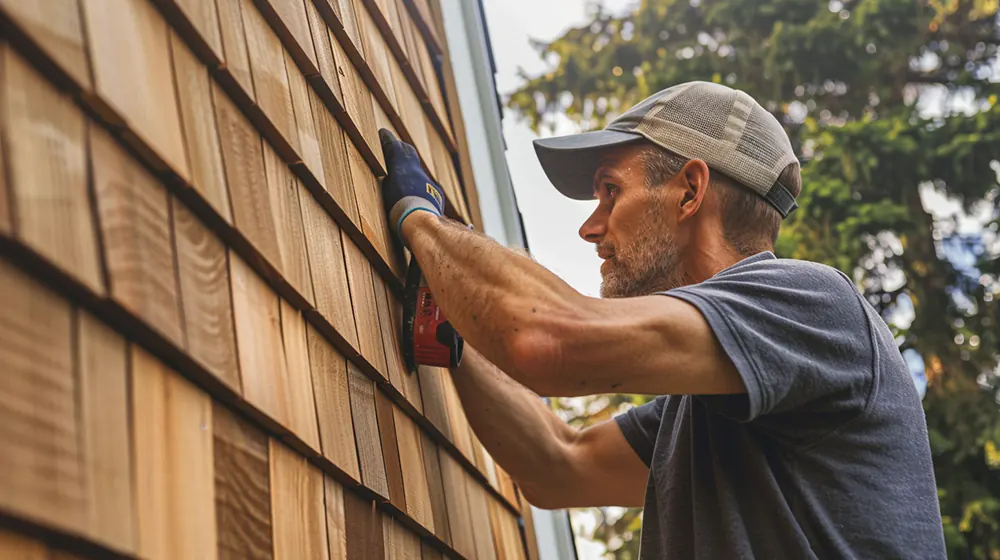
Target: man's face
{"x":632,"y":228}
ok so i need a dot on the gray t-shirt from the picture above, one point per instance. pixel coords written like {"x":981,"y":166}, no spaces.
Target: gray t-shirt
{"x":826,"y":456}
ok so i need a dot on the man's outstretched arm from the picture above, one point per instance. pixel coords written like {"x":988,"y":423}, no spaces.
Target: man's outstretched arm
{"x":556,"y":341}
{"x":555,"y":465}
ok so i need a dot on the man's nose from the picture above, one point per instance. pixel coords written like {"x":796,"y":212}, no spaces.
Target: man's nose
{"x":595,"y":227}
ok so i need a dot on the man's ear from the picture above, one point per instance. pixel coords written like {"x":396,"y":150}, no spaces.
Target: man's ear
{"x":695,"y":178}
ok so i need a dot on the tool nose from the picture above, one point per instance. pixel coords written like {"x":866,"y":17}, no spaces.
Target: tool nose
{"x":449,"y":337}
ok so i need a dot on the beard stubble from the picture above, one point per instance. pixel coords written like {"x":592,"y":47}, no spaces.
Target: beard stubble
{"x":645,"y":267}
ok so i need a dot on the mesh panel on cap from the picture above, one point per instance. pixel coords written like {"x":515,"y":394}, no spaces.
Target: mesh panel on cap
{"x":725,"y":128}
{"x":761,"y":141}
{"x":631,"y":118}
{"x":701,"y":107}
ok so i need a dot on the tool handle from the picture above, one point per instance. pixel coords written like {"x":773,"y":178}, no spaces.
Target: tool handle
{"x":428,"y":338}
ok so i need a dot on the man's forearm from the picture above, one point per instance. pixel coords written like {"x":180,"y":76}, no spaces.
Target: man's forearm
{"x":515,"y":426}
{"x":491,"y":294}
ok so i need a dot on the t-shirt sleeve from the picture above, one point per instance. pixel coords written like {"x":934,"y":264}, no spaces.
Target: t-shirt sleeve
{"x":640,"y":426}
{"x":798,"y":335}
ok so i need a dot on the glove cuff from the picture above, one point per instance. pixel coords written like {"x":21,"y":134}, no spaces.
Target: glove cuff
{"x":406,"y":206}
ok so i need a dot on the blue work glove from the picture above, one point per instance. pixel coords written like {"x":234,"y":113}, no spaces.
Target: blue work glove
{"x":406,"y":188}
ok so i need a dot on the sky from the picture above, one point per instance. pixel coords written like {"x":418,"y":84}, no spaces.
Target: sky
{"x":551,"y":220}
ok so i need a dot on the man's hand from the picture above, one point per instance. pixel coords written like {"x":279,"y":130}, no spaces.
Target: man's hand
{"x":406,"y":188}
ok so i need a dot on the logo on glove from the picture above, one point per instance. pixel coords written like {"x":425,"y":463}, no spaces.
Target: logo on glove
{"x":435,"y":194}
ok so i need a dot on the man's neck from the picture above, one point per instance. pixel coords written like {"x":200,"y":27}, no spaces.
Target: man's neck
{"x":703,"y":262}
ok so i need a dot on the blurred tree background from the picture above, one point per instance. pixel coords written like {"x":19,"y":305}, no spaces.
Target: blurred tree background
{"x":892,"y":107}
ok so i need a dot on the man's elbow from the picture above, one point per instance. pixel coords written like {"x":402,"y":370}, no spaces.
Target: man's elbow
{"x":536,"y":357}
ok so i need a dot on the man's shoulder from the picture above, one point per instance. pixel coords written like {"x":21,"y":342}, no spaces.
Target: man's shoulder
{"x":770,"y":272}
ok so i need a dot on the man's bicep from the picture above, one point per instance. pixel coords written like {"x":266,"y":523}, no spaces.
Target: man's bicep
{"x":665,"y":346}
{"x":608,"y":470}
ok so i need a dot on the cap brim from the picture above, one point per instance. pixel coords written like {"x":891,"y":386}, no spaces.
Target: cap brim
{"x":571,"y":161}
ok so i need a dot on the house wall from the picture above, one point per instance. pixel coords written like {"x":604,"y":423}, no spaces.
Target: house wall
{"x":199,"y":342}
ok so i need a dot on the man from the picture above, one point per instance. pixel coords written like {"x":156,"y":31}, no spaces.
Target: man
{"x":786,"y":426}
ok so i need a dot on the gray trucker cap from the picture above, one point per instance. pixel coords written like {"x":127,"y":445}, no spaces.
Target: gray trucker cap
{"x":719,"y":125}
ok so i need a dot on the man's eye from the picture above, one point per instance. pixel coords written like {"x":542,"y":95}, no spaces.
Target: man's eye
{"x":612,"y":189}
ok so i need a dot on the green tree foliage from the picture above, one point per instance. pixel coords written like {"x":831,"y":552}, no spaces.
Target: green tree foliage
{"x":891,"y":105}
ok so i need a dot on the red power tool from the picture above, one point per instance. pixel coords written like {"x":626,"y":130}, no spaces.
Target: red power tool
{"x":428,"y":337}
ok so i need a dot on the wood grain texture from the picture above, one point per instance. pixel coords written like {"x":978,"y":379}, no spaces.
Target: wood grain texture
{"x":242,"y":488}
{"x":506,"y":485}
{"x":133,"y":73}
{"x":283,"y":190}
{"x":457,"y":498}
{"x":447,"y":176}
{"x":205,"y":18}
{"x":390,"y":449}
{"x":201,"y":133}
{"x":292,"y":14}
{"x":482,"y":460}
{"x":234,"y":43}
{"x":412,"y":113}
{"x":364,"y":529}
{"x":329,"y":273}
{"x":459,"y":430}
{"x":420,"y":59}
{"x":324,"y":52}
{"x":395,"y":367}
{"x":377,"y":55}
{"x":204,"y":281}
{"x":366,"y":432}
{"x":297,"y":509}
{"x":302,"y":406}
{"x":333,"y":404}
{"x":357,"y":99}
{"x":336,"y":168}
{"x":435,"y":488}
{"x":359,"y":276}
{"x":506,"y":534}
{"x":45,"y":138}
{"x":42,"y":477}
{"x":390,"y":312}
{"x":374,"y":223}
{"x":426,"y":17}
{"x":134,"y":216}
{"x":390,"y":9}
{"x":433,"y":397}
{"x":15,"y":546}
{"x":334,"y":6}
{"x":102,"y":366}
{"x":304,"y":121}
{"x":400,"y":543}
{"x":359,"y":14}
{"x":336,"y":523}
{"x":411,"y":458}
{"x":382,"y":120}
{"x":56,"y":27}
{"x":349,"y":20}
{"x":174,"y":466}
{"x":430,"y":553}
{"x":410,"y":39}
{"x":256,"y":310}
{"x":6,"y":226}
{"x":479,"y":509}
{"x":243,"y":158}
{"x":267,"y":67}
